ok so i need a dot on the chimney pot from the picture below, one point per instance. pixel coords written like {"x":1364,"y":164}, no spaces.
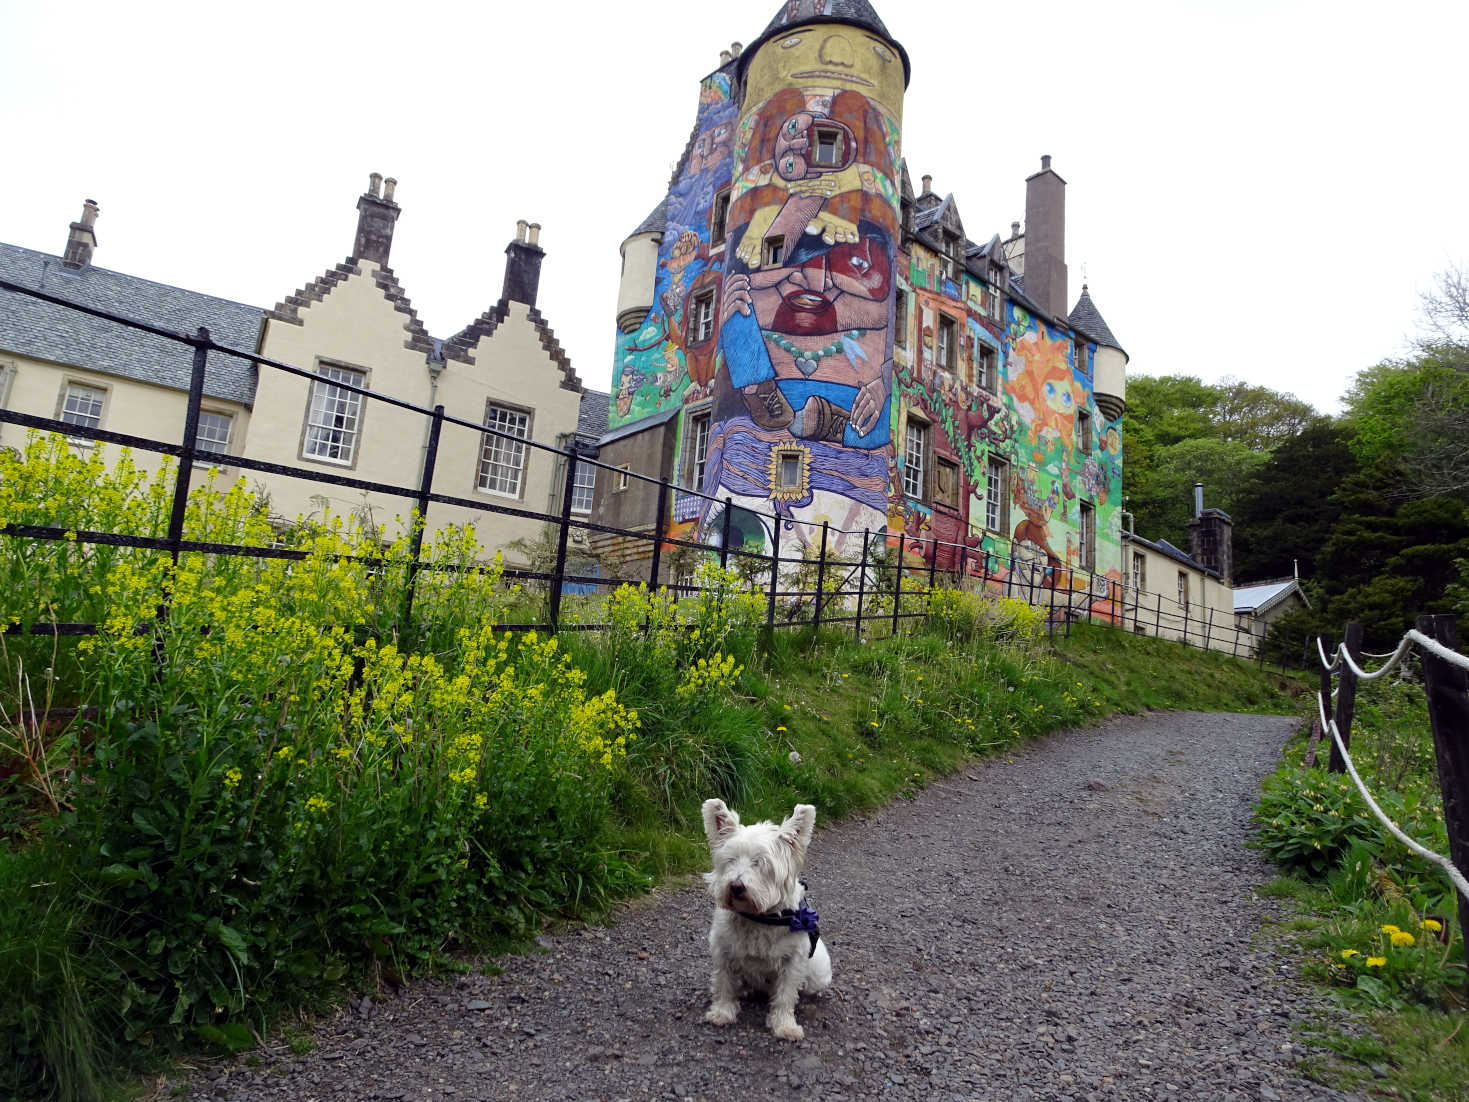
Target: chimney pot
{"x":90,"y":210}
{"x":374,"y":183}
{"x":725,"y":57}
{"x":927,"y":184}
{"x":535,"y":234}
{"x":735,"y":48}
{"x":1045,"y":162}
{"x":1014,"y":229}
{"x":523,"y":264}
{"x":521,"y":225}
{"x":1198,"y":499}
{"x":389,"y":186}
{"x":81,"y":238}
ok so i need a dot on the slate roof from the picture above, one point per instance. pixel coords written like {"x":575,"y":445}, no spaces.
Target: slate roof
{"x":1087,"y":318}
{"x":1163,"y":547}
{"x":43,"y":331}
{"x":1259,"y":598}
{"x":656,"y":222}
{"x":591,"y":421}
{"x":801,"y":12}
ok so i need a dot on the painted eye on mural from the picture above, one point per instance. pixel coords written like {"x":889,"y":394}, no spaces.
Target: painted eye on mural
{"x":860,"y":264}
{"x":792,"y":126}
{"x":794,"y":40}
{"x":788,"y":165}
{"x":1050,"y":390}
{"x":882,"y":51}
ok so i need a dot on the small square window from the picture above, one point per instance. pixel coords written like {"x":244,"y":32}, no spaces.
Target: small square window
{"x":82,"y":405}
{"x":719,"y":218}
{"x":622,"y":479}
{"x":774,"y":252}
{"x":213,"y":433}
{"x":827,"y":148}
{"x":788,"y":470}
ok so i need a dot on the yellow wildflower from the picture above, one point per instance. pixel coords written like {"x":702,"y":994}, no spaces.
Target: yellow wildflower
{"x":1376,"y":962}
{"x":232,"y":778}
{"x":1389,"y":928}
{"x":1432,"y":925}
{"x":1348,"y":954}
{"x":1402,"y":938}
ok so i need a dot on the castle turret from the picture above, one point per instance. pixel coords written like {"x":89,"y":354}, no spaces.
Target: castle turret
{"x":1109,"y":366}
{"x":640,"y":269}
{"x":806,"y":304}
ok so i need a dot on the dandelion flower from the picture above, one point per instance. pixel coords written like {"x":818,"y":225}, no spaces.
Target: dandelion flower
{"x":1348,"y":954}
{"x":1403,"y":938}
{"x":1432,"y":925}
{"x":1376,"y":962}
{"x":1389,"y":928}
{"x":779,"y":729}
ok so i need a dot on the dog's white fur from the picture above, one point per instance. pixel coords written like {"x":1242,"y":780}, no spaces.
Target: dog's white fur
{"x":756,"y":870}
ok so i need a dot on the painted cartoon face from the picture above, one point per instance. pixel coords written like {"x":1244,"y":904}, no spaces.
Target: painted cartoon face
{"x":810,"y":144}
{"x":841,"y":288}
{"x":1058,"y":397}
{"x":826,"y":56}
{"x":712,"y":147}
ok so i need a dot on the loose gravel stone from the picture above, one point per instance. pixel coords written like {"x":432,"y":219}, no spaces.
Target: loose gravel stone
{"x":1077,"y":920}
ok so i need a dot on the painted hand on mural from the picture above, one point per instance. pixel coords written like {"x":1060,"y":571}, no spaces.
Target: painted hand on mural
{"x":870,"y":403}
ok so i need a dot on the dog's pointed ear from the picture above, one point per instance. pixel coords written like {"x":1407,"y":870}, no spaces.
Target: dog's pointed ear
{"x":719,"y":822}
{"x":796,"y":830}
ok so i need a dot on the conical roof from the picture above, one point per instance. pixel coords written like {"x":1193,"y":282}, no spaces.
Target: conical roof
{"x":1088,"y":319}
{"x":858,"y":13}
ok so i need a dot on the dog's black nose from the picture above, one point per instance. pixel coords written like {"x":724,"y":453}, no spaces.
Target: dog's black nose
{"x":737,"y":890}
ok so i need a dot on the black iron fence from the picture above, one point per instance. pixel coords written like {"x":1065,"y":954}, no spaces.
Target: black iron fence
{"x":803,"y":579}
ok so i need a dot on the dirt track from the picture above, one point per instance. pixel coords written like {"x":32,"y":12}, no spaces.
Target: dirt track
{"x":1076,"y":921}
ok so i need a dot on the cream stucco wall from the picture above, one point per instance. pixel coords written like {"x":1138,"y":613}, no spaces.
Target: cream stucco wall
{"x":1156,"y":610}
{"x":138,"y":409}
{"x":356,"y":326}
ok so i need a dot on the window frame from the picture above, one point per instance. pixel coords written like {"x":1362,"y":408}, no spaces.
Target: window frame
{"x":229,"y":437}
{"x":620,"y":486}
{"x":940,"y":463}
{"x":916,"y":474}
{"x":900,"y":320}
{"x":783,"y":456}
{"x":997,"y":495}
{"x":1084,"y":435}
{"x":719,"y":217}
{"x":986,"y":367}
{"x":699,"y":424}
{"x":945,"y":342}
{"x":826,"y":137}
{"x":772,"y":251}
{"x":995,"y":308}
{"x":584,"y":466}
{"x":490,"y":440}
{"x":1087,"y":535}
{"x":1139,"y":571}
{"x":67,"y":385}
{"x":701,"y":328}
{"x":319,"y":380}
{"x":1183,"y":591}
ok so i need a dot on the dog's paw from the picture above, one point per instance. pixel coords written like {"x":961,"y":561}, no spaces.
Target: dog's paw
{"x":722,"y":1014}
{"x":788,"y":1030}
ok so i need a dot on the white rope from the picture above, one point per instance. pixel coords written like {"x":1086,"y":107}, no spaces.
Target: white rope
{"x":1434,"y":647}
{"x":1382,"y":671}
{"x":1443,"y":862}
{"x":1336,"y":656}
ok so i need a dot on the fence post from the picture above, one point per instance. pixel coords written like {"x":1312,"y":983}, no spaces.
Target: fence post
{"x":862,"y":582}
{"x":1209,"y":631}
{"x":1447,"y":686}
{"x":898,"y":580}
{"x":1158,"y":621}
{"x":1346,"y":697}
{"x":963,"y":564}
{"x":660,"y":511}
{"x":774,"y":572}
{"x":559,"y":573}
{"x":415,"y":546}
{"x":820,"y":581}
{"x":186,"y":456}
{"x":724,"y":538}
{"x":933,"y":566}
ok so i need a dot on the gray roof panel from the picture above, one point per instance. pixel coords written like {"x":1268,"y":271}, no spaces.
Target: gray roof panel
{"x":800,"y":12}
{"x":1088,"y":319}
{"x":44,"y":331}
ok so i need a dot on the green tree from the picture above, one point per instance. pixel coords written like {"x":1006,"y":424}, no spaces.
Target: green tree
{"x":1163,"y":501}
{"x":1410,"y":424}
{"x":1286,"y":510}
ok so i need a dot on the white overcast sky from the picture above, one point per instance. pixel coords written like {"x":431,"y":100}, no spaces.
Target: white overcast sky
{"x":1258,"y":189}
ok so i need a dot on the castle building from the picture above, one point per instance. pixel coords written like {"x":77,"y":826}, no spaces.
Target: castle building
{"x":802,"y":333}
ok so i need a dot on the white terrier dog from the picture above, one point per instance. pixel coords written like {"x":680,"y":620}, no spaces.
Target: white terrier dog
{"x":763,"y":937}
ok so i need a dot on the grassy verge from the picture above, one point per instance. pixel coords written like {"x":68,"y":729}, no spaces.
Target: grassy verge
{"x":1373,"y":924}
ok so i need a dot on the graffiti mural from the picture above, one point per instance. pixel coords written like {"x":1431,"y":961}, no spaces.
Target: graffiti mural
{"x":803,"y":396}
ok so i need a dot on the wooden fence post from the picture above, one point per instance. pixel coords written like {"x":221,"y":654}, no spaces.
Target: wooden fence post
{"x":1447,"y":686}
{"x":862,"y":582}
{"x":1346,"y":697}
{"x":774,"y":571}
{"x":820,"y":581}
{"x":898,"y":580}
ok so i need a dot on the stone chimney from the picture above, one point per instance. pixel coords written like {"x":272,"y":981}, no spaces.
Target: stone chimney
{"x":1211,"y":537}
{"x":523,"y":258}
{"x":1045,"y":240}
{"x":82,"y":239}
{"x":927,"y":185}
{"x":377,"y":213}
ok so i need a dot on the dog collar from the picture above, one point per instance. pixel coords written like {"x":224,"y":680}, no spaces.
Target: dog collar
{"x":803,"y":920}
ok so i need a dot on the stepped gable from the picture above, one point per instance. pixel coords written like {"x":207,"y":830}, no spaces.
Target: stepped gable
{"x":461,"y":345}
{"x":289,"y":311}
{"x":794,"y":13}
{"x":1086,"y":318}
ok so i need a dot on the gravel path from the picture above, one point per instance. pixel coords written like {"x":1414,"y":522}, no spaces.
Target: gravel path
{"x":1077,"y":921}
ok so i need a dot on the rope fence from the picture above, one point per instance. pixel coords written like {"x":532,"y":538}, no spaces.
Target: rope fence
{"x":1446,"y":683}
